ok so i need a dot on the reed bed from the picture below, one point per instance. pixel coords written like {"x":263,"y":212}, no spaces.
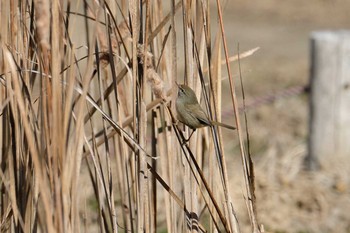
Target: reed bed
{"x":89,"y":138}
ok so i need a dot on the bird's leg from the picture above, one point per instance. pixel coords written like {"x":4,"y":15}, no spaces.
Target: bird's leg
{"x":186,"y":140}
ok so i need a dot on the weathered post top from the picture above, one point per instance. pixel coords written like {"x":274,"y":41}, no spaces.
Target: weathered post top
{"x":329,"y":139}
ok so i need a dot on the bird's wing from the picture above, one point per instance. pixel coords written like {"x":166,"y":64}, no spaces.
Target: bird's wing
{"x":197,"y":112}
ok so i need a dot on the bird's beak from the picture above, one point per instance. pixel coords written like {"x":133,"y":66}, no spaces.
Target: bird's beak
{"x":178,"y":88}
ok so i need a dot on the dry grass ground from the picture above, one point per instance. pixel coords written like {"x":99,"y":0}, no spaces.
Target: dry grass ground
{"x":289,"y":199}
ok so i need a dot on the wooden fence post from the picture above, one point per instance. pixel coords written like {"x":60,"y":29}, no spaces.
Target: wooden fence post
{"x":329,"y":123}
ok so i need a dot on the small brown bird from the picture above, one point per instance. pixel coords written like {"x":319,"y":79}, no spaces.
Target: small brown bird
{"x":190,"y":113}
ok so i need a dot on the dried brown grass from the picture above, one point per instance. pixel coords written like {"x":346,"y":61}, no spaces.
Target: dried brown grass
{"x":89,"y":140}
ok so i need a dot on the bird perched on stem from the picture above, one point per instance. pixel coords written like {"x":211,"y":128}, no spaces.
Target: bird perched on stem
{"x":190,"y":113}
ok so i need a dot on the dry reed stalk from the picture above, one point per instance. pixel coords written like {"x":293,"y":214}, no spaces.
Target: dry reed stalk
{"x":17,"y":100}
{"x":246,"y":161}
{"x":190,"y":189}
{"x":215,"y":74}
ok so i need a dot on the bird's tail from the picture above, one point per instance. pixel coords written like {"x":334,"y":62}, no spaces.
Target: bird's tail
{"x":222,"y":125}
